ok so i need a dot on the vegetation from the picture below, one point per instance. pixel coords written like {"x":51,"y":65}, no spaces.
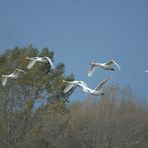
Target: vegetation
{"x":116,"y":120}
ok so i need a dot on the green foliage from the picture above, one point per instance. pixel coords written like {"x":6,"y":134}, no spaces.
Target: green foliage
{"x":40,"y":81}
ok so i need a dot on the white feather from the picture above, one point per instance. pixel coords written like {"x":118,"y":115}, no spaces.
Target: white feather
{"x":33,"y":60}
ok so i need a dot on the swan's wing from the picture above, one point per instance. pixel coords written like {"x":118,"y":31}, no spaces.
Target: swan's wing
{"x":68,"y":87}
{"x":31,"y":63}
{"x":17,"y":72}
{"x":50,"y":61}
{"x":111,"y":62}
{"x":82,"y":84}
{"x":91,"y":70}
{"x":101,"y":85}
{"x":116,"y":65}
{"x":4,"y":80}
{"x":20,"y":70}
{"x":86,"y":89}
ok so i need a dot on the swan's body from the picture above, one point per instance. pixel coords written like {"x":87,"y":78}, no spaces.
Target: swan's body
{"x":71,"y":84}
{"x":107,"y":66}
{"x":33,"y":60}
{"x":98,"y":90}
{"x":14,"y":75}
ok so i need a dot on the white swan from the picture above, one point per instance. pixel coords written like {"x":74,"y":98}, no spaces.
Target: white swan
{"x":107,"y":66}
{"x":14,"y":75}
{"x":71,"y":84}
{"x":98,"y":90}
{"x":33,"y":60}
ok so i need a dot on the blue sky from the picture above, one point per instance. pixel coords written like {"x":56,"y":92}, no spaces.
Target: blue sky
{"x":82,"y":31}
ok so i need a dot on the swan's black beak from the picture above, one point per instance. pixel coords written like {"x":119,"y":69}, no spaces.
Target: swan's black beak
{"x":112,"y":69}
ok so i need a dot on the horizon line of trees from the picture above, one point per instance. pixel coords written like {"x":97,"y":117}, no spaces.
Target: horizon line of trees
{"x":116,"y":120}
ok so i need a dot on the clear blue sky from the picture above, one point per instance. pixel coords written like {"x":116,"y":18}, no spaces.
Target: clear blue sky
{"x":82,"y":31}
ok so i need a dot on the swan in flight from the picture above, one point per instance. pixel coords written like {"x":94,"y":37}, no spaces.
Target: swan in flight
{"x":14,"y":75}
{"x":71,"y":84}
{"x":33,"y":60}
{"x":98,"y":90}
{"x":107,"y":66}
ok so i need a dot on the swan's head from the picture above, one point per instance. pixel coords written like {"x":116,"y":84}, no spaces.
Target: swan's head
{"x":27,"y":58}
{"x":3,"y":75}
{"x":63,"y":81}
{"x":79,"y":82}
{"x":112,"y":69}
{"x":102,"y":94}
{"x":92,"y":63}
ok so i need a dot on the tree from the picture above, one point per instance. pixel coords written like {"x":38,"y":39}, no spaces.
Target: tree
{"x":18,"y":96}
{"x":116,"y":120}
